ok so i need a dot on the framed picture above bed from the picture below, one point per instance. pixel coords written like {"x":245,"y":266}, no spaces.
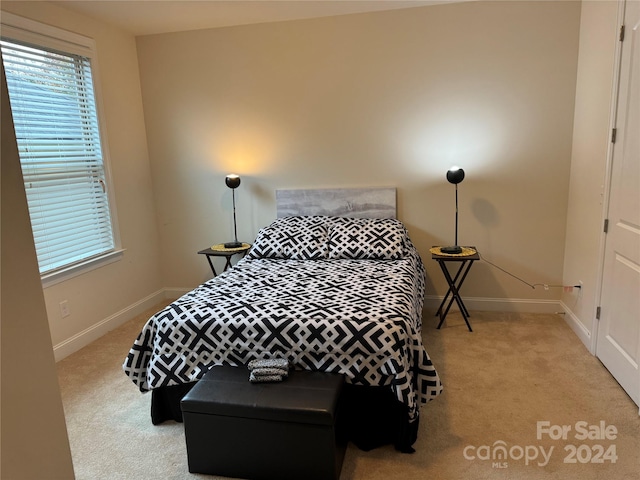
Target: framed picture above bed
{"x":337,"y":202}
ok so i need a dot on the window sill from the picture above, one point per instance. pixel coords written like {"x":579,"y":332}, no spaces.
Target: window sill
{"x":65,"y":274}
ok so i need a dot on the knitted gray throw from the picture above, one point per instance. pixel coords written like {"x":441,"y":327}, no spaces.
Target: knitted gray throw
{"x":268,"y":370}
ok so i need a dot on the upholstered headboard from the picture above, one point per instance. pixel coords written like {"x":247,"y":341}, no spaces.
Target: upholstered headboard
{"x":338,"y":202}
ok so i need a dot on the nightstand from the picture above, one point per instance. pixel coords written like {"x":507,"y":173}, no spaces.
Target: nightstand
{"x":219,"y":250}
{"x":465,"y":259}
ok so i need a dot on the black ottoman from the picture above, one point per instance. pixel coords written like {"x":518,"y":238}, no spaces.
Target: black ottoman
{"x":283,"y":430}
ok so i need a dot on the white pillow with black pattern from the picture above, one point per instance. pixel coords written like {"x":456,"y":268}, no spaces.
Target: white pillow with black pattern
{"x":367,"y":238}
{"x":302,"y":240}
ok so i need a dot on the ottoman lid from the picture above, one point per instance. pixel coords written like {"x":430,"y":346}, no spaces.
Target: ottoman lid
{"x":304,"y":397}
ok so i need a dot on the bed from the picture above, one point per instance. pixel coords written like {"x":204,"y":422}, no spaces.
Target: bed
{"x":333,"y":284}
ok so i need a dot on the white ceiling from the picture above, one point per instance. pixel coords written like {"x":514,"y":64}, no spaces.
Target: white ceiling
{"x":145,"y":17}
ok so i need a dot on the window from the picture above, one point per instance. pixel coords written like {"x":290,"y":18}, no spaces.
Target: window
{"x":52,"y":98}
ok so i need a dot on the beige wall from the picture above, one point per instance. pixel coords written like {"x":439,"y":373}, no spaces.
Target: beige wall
{"x":591,"y":143}
{"x":392,"y":99}
{"x":389,"y":98}
{"x":33,"y":434}
{"x":100,"y":299}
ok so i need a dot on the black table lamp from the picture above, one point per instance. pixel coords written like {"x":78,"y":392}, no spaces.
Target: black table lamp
{"x":454,"y":175}
{"x":233,"y":181}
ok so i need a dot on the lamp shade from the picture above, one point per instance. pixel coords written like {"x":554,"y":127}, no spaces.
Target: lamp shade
{"x":232,"y":180}
{"x":455,"y":175}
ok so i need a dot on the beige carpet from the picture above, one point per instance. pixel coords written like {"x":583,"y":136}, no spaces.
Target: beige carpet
{"x":513,"y":371}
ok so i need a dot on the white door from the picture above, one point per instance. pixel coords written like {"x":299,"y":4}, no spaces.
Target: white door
{"x":618,"y":341}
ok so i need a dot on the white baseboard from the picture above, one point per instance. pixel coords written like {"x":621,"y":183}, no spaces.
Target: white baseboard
{"x":578,"y":328}
{"x":171,"y":293}
{"x":432,"y":302}
{"x":85,"y":337}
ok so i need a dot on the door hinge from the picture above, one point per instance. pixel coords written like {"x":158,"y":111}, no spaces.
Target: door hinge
{"x":614,"y":134}
{"x":606,"y":225}
{"x":598,"y":313}
{"x":622,"y":33}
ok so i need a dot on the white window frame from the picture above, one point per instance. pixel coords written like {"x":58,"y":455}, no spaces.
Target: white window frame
{"x":29,"y":31}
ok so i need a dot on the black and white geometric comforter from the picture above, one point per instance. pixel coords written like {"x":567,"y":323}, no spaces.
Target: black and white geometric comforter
{"x":361,"y":318}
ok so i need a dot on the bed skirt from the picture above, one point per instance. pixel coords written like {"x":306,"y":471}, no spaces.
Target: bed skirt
{"x":371,"y":416}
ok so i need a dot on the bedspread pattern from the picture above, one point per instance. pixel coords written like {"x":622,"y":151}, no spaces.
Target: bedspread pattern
{"x":361,"y":318}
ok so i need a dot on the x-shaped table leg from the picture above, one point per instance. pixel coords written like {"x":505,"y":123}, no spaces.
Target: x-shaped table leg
{"x":454,"y":290}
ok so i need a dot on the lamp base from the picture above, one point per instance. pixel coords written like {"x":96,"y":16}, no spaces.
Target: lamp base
{"x":232,"y":245}
{"x":451,"y":250}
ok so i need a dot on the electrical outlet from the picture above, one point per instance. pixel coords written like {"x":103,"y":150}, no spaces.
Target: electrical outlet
{"x":64,"y":308}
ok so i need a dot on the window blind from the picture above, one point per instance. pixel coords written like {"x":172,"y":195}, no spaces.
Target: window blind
{"x":54,"y":113}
